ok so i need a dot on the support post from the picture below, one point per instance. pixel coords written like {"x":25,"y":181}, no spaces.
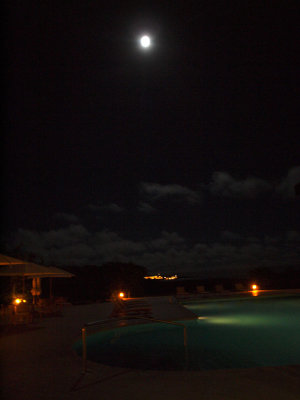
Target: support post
{"x":83,"y":335}
{"x":51,"y":288}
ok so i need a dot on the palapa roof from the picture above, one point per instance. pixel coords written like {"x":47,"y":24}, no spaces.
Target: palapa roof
{"x":24,"y":268}
{"x":6,"y":260}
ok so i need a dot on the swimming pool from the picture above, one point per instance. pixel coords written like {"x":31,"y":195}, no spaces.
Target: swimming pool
{"x":229,"y":333}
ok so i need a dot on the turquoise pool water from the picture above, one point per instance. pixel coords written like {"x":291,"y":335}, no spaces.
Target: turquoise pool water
{"x":228,"y":334}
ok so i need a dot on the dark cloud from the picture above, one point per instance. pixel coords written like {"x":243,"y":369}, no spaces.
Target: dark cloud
{"x":170,"y":248}
{"x":251,"y":239}
{"x":146,"y":208}
{"x":111,"y":207}
{"x":166,"y":241}
{"x":293,"y":236}
{"x":228,"y":236}
{"x":70,"y":218}
{"x":156,"y":191}
{"x":168,"y":252}
{"x":286,"y":188}
{"x":272,"y":240}
{"x":223,"y":184}
{"x":59,"y":238}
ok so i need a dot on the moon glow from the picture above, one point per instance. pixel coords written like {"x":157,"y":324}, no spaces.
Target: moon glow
{"x":145,"y":41}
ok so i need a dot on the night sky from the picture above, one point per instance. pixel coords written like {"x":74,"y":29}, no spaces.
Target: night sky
{"x":181,"y":157}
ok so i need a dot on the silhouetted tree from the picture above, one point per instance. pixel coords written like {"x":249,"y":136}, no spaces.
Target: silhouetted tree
{"x":124,"y":276}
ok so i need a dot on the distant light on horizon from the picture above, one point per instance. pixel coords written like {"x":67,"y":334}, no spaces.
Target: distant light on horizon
{"x":166,"y":278}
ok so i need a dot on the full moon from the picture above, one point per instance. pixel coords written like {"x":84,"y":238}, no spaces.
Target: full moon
{"x":145,"y":41}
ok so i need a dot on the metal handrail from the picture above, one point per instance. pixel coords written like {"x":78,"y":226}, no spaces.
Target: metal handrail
{"x":102,"y":322}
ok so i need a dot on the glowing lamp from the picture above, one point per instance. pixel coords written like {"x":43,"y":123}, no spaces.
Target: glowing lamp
{"x":18,"y":301}
{"x":254,"y":287}
{"x":121,"y":294}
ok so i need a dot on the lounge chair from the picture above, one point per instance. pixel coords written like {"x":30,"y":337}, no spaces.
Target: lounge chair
{"x":239,"y":287}
{"x":200,"y":289}
{"x":180,"y":291}
{"x":130,"y":308}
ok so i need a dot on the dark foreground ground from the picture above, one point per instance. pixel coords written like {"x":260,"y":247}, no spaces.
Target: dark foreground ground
{"x":39,"y":363}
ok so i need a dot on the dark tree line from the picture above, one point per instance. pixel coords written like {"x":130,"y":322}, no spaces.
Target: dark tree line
{"x":97,"y":283}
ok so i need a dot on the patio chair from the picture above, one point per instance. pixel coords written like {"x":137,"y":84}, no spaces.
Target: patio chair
{"x":21,"y":314}
{"x":47,"y":307}
{"x":219,"y":288}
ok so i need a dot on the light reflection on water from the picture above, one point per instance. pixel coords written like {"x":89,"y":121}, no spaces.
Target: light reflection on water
{"x":227,"y":334}
{"x":242,"y":320}
{"x":247,"y":312}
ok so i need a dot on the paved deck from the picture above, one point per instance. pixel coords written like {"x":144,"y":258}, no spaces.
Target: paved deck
{"x":40,"y":364}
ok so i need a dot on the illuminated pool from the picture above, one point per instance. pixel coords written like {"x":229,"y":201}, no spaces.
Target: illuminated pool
{"x":230,"y":333}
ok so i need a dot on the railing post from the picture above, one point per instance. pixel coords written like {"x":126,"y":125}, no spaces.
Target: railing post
{"x":83,"y":335}
{"x":185,"y":347}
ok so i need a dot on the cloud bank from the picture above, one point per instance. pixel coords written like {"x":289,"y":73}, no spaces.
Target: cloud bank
{"x":223,"y":184}
{"x":169,"y":252}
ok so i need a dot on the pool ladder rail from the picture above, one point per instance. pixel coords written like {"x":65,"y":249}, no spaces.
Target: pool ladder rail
{"x":105,"y":321}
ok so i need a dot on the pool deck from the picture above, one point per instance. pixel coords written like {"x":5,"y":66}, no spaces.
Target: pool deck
{"x":39,"y":363}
